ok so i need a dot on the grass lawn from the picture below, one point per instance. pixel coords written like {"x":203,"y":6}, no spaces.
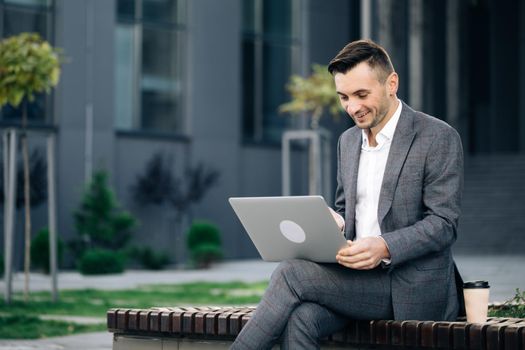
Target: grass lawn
{"x":19,"y":320}
{"x":31,"y":327}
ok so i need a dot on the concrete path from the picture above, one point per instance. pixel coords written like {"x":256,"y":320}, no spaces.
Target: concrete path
{"x":88,"y":341}
{"x":504,"y":272}
{"x":245,"y":270}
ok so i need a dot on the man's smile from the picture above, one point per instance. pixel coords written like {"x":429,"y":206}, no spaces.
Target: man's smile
{"x":362,"y":115}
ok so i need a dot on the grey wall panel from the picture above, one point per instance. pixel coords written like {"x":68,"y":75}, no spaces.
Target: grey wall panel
{"x":85,"y":32}
{"x":329,"y":28}
{"x":157,"y":226}
{"x":261,"y":176}
{"x":214,"y":105}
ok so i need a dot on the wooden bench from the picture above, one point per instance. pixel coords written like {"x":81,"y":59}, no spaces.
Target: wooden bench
{"x":216,"y":327}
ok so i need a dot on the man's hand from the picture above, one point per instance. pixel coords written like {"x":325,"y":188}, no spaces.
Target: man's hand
{"x":363,"y":254}
{"x":338,"y":219}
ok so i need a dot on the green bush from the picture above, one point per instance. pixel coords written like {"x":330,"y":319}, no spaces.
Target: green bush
{"x":40,"y":250}
{"x":101,"y":224}
{"x":204,"y":243}
{"x":101,"y":261}
{"x":204,"y":254}
{"x":148,"y":258}
{"x":100,"y":221}
{"x":514,"y":307}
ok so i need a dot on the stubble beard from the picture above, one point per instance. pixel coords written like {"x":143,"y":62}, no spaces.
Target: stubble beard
{"x":377,"y":119}
{"x":381,"y":114}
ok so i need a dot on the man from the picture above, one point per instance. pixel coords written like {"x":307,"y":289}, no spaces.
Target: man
{"x":400,"y":178}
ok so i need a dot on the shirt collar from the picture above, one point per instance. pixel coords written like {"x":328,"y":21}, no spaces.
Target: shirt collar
{"x":387,"y":132}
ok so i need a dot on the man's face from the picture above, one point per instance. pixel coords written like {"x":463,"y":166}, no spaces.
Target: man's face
{"x":364,"y":97}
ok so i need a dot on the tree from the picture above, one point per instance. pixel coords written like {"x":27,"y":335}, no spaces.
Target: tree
{"x":28,"y":65}
{"x":100,"y":221}
{"x":158,"y":185}
{"x":312,"y":94}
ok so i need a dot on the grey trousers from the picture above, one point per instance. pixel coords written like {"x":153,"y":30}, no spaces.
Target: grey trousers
{"x":306,"y":301}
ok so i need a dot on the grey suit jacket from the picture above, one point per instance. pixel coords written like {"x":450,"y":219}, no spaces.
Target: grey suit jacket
{"x":419,"y":207}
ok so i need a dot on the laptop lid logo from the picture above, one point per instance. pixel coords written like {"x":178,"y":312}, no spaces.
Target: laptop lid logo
{"x":292,"y":231}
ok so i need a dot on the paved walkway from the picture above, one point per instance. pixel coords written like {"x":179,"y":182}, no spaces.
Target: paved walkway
{"x":241,"y":270}
{"x":504,"y":272}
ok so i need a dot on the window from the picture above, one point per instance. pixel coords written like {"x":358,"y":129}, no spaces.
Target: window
{"x":36,"y":16}
{"x":270,"y":52}
{"x":148,"y":65}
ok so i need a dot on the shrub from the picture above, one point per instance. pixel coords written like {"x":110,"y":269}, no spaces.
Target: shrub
{"x":203,"y":255}
{"x":149,"y":258}
{"x":101,"y":261}
{"x":514,"y":307}
{"x":100,"y":221}
{"x":204,"y":243}
{"x":159,"y":185}
{"x":40,"y":250}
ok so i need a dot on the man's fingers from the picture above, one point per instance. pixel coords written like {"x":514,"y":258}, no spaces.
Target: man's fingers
{"x":361,"y":265}
{"x":353,"y":258}
{"x":362,"y":254}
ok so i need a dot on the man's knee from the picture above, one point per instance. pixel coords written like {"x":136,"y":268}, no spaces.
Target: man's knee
{"x":303,"y":321}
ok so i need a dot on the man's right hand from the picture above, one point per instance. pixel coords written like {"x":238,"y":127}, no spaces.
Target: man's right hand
{"x":363,"y":254}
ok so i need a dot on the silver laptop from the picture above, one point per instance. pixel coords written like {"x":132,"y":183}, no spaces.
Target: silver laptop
{"x":290,"y":227}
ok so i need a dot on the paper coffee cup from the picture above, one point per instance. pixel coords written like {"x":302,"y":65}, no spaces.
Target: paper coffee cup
{"x":476,"y":300}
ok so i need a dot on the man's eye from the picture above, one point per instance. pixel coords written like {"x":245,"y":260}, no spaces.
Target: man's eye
{"x":343,"y":98}
{"x":362,"y":95}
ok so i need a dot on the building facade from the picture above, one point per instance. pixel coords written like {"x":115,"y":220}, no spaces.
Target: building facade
{"x":200,"y":81}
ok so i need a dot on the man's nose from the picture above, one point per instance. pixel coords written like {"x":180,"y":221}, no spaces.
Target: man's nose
{"x":352,"y":107}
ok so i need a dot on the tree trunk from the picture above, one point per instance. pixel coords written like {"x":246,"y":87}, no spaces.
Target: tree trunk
{"x":27,"y":201}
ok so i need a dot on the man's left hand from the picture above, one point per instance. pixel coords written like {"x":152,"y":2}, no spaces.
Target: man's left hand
{"x":363,"y":254}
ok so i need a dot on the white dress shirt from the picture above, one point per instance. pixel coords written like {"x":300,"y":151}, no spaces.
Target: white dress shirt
{"x":372,"y":163}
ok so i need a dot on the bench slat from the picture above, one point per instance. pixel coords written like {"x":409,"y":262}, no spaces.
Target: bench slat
{"x":224,"y":323}
{"x":413,"y":333}
{"x":165,"y":321}
{"x":111,"y":319}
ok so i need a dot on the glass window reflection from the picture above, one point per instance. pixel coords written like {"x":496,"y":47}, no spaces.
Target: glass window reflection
{"x":160,"y":84}
{"x":125,"y":62}
{"x":270,"y":48}
{"x":160,"y":11}
{"x":41,"y":3}
{"x":149,"y":85}
{"x":126,"y":9}
{"x":276,"y":70}
{"x":18,"y":20}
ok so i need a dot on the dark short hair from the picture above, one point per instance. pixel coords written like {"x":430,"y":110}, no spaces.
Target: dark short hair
{"x":362,"y":51}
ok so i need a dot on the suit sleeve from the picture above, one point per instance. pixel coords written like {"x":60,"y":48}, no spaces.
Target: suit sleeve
{"x":340,"y":203}
{"x":441,"y":201}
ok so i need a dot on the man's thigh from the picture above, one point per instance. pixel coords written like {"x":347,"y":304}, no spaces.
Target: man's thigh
{"x":359,"y":294}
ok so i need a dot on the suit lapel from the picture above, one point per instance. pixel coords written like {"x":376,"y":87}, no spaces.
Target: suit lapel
{"x":403,"y":137}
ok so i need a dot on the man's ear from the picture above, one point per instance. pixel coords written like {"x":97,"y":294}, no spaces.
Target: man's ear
{"x":392,"y":83}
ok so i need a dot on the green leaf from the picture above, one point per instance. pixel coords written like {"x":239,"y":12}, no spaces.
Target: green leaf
{"x":28,"y":65}
{"x":314,"y":94}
